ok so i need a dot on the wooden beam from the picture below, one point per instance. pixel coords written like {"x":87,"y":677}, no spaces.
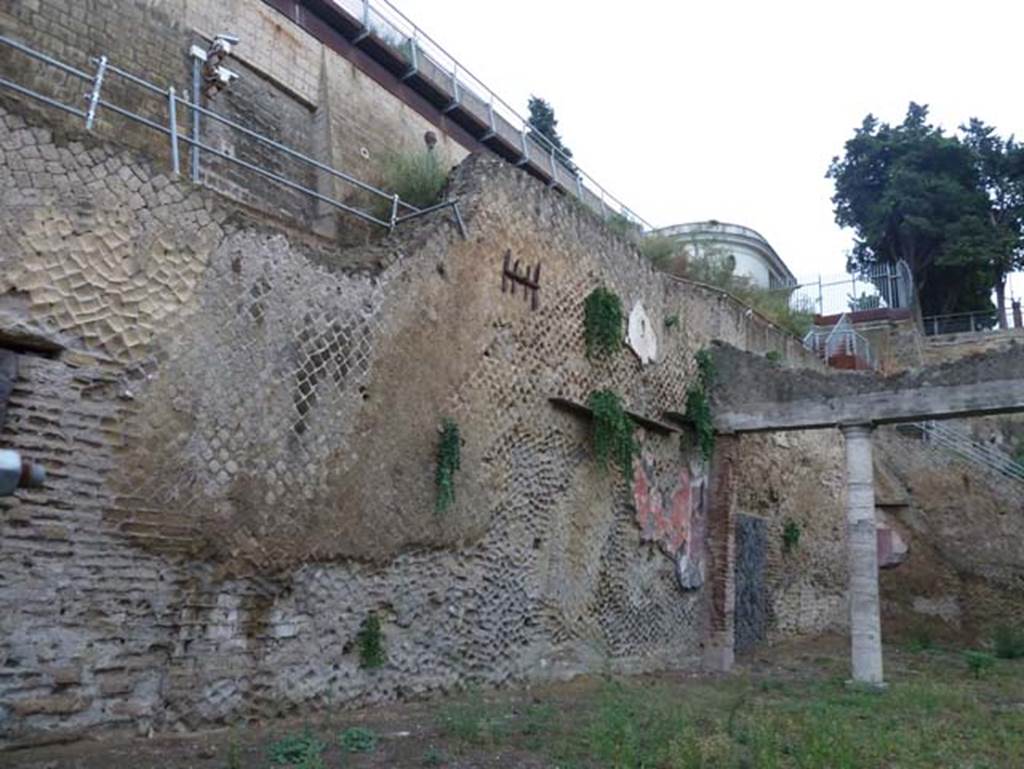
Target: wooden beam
{"x":640,"y":419}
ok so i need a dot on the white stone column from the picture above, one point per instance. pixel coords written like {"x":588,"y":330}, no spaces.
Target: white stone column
{"x":865,"y":620}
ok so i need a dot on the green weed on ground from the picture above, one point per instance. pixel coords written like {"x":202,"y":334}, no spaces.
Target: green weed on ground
{"x":934,"y":715}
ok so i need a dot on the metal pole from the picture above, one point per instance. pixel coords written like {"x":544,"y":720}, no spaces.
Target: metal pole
{"x":194,"y":153}
{"x":94,"y":96}
{"x":821,"y":297}
{"x":394,"y":213}
{"x":173,"y":125}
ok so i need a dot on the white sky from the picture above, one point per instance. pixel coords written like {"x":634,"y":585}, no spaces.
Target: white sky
{"x":732,"y":109}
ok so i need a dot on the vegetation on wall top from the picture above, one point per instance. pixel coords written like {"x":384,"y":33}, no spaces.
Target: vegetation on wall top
{"x":713,"y":266}
{"x":612,"y":432}
{"x":418,"y":177}
{"x":602,"y":323}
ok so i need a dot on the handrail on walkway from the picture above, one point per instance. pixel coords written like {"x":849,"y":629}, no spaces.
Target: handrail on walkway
{"x":400,"y":211}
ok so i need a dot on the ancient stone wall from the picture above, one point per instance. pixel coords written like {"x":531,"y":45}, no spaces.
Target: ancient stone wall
{"x":292,"y":89}
{"x":241,"y":429}
{"x":964,"y":572}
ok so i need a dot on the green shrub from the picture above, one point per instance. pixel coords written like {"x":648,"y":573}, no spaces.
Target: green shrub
{"x":621,"y":225}
{"x":790,"y":536}
{"x":602,"y":323}
{"x":774,"y":357}
{"x":671,"y":321}
{"x":978,"y":662}
{"x":356,"y":739}
{"x":1008,"y":642}
{"x":612,"y":432}
{"x":303,"y":751}
{"x":418,"y":178}
{"x":449,"y":460}
{"x":370,"y":640}
{"x":659,"y":250}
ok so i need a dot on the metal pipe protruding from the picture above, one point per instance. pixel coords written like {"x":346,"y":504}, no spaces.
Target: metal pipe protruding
{"x":16,"y":473}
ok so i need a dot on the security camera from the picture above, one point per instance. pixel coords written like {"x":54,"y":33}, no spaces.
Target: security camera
{"x":217,"y":80}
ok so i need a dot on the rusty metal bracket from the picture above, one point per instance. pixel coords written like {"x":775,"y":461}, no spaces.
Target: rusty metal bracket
{"x":529,"y":280}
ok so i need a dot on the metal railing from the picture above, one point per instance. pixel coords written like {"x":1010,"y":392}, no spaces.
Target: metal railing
{"x":399,"y":210}
{"x":839,"y":342}
{"x":423,"y":54}
{"x":970,"y":322}
{"x":960,"y":442}
{"x":880,"y":287}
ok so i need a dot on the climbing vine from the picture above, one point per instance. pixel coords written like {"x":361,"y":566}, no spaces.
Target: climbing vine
{"x":698,"y":405}
{"x":448,"y":461}
{"x":612,"y":432}
{"x":370,"y":639}
{"x":602,"y":323}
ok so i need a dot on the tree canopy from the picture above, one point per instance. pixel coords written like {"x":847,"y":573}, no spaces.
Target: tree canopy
{"x":949,"y":206}
{"x":544,"y":122}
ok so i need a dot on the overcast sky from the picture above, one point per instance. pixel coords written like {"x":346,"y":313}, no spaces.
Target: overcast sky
{"x":732,"y":109}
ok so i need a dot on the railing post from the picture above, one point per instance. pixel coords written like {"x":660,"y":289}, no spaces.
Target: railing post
{"x":821,"y":297}
{"x":172,"y":124}
{"x":94,"y":95}
{"x":394,"y":213}
{"x":196,"y":85}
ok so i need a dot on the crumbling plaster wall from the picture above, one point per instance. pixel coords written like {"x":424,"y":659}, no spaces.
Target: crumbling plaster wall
{"x":240,"y":437}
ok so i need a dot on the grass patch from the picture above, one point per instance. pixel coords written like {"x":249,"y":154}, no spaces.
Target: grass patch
{"x":473,"y":722}
{"x":936,"y":716}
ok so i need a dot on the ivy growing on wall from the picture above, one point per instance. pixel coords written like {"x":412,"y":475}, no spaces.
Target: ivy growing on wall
{"x":612,"y":432}
{"x":370,"y":640}
{"x":448,"y":461}
{"x":602,"y":323}
{"x":698,"y":405}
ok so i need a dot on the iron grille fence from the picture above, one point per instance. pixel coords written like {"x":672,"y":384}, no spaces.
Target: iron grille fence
{"x":884,"y":286}
{"x":169,"y":126}
{"x":970,"y":322}
{"x":426,"y":57}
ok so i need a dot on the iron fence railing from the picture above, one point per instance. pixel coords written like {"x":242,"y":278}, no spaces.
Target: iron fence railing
{"x":969,"y":322}
{"x":884,"y":286}
{"x":399,"y":210}
{"x":960,"y":442}
{"x":426,"y":57}
{"x":840,"y":341}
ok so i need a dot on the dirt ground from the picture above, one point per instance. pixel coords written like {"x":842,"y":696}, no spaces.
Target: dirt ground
{"x":550,"y":726}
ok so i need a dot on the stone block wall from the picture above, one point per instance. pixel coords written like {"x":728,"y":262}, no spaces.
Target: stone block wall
{"x":240,"y":430}
{"x":292,"y":89}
